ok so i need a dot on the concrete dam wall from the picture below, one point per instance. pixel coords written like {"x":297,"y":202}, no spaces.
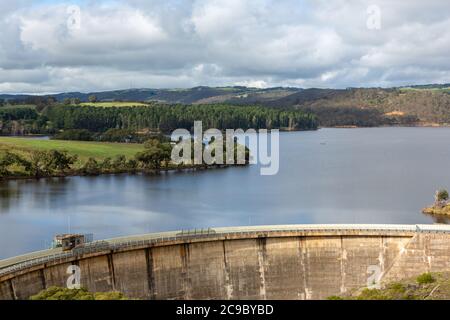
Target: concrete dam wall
{"x":279,"y":262}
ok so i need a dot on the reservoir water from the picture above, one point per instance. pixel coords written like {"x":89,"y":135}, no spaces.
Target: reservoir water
{"x":376,"y":175}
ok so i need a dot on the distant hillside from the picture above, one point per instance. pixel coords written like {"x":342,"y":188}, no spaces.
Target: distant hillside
{"x":185,"y":96}
{"x":422,"y":104}
{"x":195,"y":95}
{"x":428,"y":106}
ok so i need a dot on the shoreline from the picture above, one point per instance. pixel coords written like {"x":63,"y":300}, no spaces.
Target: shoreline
{"x":440,"y":211}
{"x":148,"y":172}
{"x":420,"y":125}
{"x":415,"y":125}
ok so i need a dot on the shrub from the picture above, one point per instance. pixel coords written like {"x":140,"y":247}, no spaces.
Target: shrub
{"x":397,"y":287}
{"x":74,"y":134}
{"x":57,"y":293}
{"x":425,"y":278}
{"x":442,"y":195}
{"x":91,"y":167}
{"x":373,"y":294}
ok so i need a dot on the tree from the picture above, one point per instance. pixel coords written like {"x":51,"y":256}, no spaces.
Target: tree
{"x":106,"y":164}
{"x":51,"y":100}
{"x":46,"y":163}
{"x":166,"y":153}
{"x":442,"y":195}
{"x":60,"y":160}
{"x":93,"y":98}
{"x":39,"y":164}
{"x":9,"y":159}
{"x":91,"y":167}
{"x":74,"y":134}
{"x":132,"y":165}
{"x":154,"y":154}
{"x":120,"y":162}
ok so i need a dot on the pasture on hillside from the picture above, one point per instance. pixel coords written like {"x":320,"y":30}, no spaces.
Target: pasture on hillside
{"x":84,"y":149}
{"x":114,"y":104}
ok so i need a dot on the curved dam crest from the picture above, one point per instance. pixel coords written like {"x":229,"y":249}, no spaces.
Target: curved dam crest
{"x":267,"y":262}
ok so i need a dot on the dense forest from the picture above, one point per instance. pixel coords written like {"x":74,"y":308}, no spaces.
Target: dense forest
{"x":23,"y":120}
{"x":166,"y":118}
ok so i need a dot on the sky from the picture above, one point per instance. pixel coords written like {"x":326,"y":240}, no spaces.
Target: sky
{"x":49,"y":46}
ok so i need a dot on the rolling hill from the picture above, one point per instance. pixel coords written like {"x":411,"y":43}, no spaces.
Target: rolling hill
{"x":422,"y":104}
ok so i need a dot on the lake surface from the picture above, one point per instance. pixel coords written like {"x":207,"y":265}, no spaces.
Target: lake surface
{"x":376,"y":175}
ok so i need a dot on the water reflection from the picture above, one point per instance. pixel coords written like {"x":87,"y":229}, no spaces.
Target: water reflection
{"x":440,"y":219}
{"x":8,"y":194}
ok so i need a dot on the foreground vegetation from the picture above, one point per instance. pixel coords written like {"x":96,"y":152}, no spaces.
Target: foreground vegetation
{"x":58,"y":293}
{"x":29,"y":158}
{"x":441,"y":205}
{"x":428,"y":286}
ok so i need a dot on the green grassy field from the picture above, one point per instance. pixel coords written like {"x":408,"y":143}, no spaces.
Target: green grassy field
{"x":20,"y":106}
{"x":114,"y":104}
{"x":84,"y":150}
{"x":426,"y":89}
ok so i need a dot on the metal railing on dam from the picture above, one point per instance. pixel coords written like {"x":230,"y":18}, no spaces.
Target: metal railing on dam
{"x":263,"y":262}
{"x":57,"y":256}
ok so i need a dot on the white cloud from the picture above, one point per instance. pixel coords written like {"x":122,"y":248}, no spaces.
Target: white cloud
{"x":253,"y":84}
{"x":323,"y":43}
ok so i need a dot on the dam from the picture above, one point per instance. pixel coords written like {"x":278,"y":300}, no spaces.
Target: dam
{"x":264,"y":262}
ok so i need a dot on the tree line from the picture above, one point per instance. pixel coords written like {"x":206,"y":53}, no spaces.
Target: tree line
{"x":110,"y":135}
{"x":166,"y":118}
{"x":54,"y":118}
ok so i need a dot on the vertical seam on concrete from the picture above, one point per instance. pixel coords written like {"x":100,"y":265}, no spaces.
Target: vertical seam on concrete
{"x":228,"y":284}
{"x":303,"y":265}
{"x":185,"y":271}
{"x":426,"y":251}
{"x":150,"y":274}
{"x":382,"y":257}
{"x":342,"y":265}
{"x":111,"y":271}
{"x":42,"y":276}
{"x":82,"y":276}
{"x":13,"y":291}
{"x":261,"y":264}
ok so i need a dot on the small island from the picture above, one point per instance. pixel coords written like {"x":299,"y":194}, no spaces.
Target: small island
{"x":441,"y":204}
